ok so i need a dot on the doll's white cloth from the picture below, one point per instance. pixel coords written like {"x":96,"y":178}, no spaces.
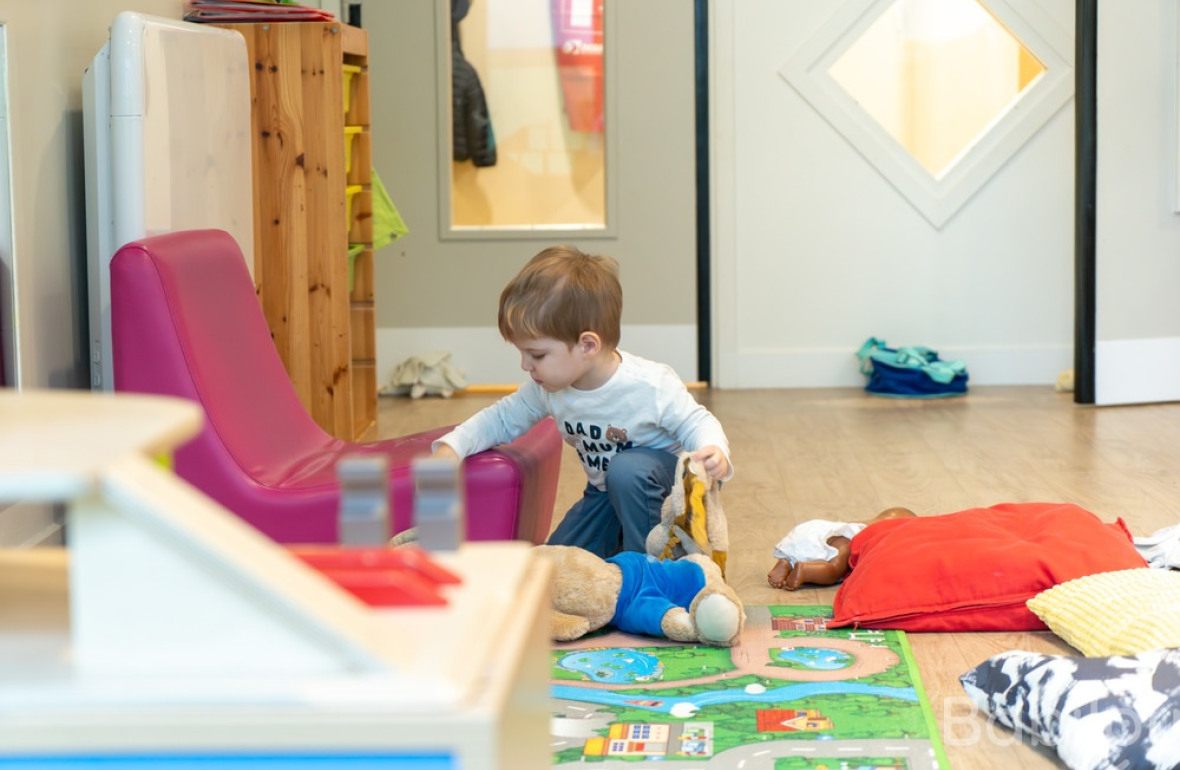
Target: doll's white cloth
{"x":1161,"y":549}
{"x":809,"y":541}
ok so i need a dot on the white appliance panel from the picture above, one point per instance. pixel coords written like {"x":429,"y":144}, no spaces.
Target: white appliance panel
{"x":167,"y":111}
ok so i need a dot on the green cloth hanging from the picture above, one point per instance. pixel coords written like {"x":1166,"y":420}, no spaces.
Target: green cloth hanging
{"x":388,"y":224}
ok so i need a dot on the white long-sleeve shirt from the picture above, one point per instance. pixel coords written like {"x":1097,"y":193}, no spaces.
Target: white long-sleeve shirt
{"x":643,"y":404}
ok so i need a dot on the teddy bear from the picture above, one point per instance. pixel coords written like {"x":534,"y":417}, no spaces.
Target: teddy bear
{"x":686,"y":600}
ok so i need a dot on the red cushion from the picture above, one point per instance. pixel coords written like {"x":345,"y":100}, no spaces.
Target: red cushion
{"x":974,"y":570}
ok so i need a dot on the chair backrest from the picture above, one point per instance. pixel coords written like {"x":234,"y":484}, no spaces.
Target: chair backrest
{"x":186,"y":322}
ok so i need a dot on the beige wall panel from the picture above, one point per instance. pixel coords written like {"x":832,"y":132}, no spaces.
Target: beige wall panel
{"x":426,"y":282}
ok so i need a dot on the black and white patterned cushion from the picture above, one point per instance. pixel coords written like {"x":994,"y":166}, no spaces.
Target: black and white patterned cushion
{"x":1116,"y":713}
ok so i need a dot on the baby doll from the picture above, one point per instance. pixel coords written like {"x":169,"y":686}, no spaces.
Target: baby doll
{"x":816,"y":551}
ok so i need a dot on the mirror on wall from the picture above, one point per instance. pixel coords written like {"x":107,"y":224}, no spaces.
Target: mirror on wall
{"x":528,"y":117}
{"x":936,"y":75}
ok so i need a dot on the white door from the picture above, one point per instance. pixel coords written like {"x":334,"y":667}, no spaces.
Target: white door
{"x":833,"y":224}
{"x":438,"y":287}
{"x":1137,"y":205}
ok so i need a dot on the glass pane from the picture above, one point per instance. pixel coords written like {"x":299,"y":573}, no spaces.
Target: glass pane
{"x":936,"y":74}
{"x":534,"y":157}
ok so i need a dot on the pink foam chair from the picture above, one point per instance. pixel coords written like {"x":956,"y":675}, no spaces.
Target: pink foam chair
{"x":186,"y":322}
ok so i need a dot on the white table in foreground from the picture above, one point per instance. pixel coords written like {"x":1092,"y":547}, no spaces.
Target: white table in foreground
{"x":174,"y":630}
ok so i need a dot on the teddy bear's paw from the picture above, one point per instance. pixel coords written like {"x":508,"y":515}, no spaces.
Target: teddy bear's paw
{"x":677,"y":625}
{"x":719,"y":620}
{"x":564,"y":627}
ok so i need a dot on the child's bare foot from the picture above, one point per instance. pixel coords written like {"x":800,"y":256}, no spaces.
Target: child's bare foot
{"x":780,"y":574}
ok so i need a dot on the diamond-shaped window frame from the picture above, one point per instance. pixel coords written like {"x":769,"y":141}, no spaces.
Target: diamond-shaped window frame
{"x":937,"y":199}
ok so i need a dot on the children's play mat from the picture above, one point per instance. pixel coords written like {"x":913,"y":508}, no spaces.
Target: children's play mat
{"x":793,"y":695}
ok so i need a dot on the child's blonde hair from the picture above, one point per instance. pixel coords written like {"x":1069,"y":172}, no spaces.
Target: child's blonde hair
{"x":561,"y":293}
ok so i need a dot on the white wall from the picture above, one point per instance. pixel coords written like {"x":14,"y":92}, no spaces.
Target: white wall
{"x":1137,"y":230}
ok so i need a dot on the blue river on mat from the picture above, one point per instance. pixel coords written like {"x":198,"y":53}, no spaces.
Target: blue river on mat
{"x":656,"y":702}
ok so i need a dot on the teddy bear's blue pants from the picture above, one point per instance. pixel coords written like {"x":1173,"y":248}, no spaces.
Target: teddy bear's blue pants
{"x":637,"y":481}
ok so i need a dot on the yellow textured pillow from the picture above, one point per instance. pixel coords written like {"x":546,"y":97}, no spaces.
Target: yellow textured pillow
{"x":1114,"y":613}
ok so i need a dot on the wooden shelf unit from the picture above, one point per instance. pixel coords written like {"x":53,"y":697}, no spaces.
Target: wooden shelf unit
{"x":322,"y":327}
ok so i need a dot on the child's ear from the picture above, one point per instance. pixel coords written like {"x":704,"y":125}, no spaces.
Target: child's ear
{"x":590,"y":343}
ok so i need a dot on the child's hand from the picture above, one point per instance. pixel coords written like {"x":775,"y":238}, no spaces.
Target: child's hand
{"x":445,"y":452}
{"x":713,"y":460}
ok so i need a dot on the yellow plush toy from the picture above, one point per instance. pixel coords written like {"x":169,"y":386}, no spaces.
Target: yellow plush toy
{"x":685,"y":600}
{"x":691,"y":519}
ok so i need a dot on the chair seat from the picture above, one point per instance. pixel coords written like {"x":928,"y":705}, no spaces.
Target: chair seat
{"x":186,"y":322}
{"x":317,"y":469}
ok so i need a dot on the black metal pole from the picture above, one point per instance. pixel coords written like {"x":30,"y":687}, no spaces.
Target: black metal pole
{"x":1086,"y":130}
{"x":703,"y":229}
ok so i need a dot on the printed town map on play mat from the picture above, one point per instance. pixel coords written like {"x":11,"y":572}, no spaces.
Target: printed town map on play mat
{"x":792,"y":695}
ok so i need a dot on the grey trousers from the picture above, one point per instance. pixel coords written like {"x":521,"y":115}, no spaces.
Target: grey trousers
{"x":637,"y":481}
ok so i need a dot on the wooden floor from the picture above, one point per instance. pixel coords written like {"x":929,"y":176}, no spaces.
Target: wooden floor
{"x":837,"y":453}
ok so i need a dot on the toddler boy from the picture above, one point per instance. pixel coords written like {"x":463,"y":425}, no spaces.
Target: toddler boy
{"x":627,"y":417}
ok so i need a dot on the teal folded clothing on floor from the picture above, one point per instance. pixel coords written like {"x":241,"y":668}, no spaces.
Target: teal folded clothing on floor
{"x":910,"y":372}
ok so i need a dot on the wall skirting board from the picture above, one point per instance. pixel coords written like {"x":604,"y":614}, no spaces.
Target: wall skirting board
{"x":1136,"y":370}
{"x":835,"y":368}
{"x":486,"y":358}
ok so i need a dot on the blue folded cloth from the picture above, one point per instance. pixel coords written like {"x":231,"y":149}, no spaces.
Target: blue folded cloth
{"x":910,"y":372}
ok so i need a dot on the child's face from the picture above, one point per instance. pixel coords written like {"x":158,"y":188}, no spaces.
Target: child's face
{"x":553,"y":364}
